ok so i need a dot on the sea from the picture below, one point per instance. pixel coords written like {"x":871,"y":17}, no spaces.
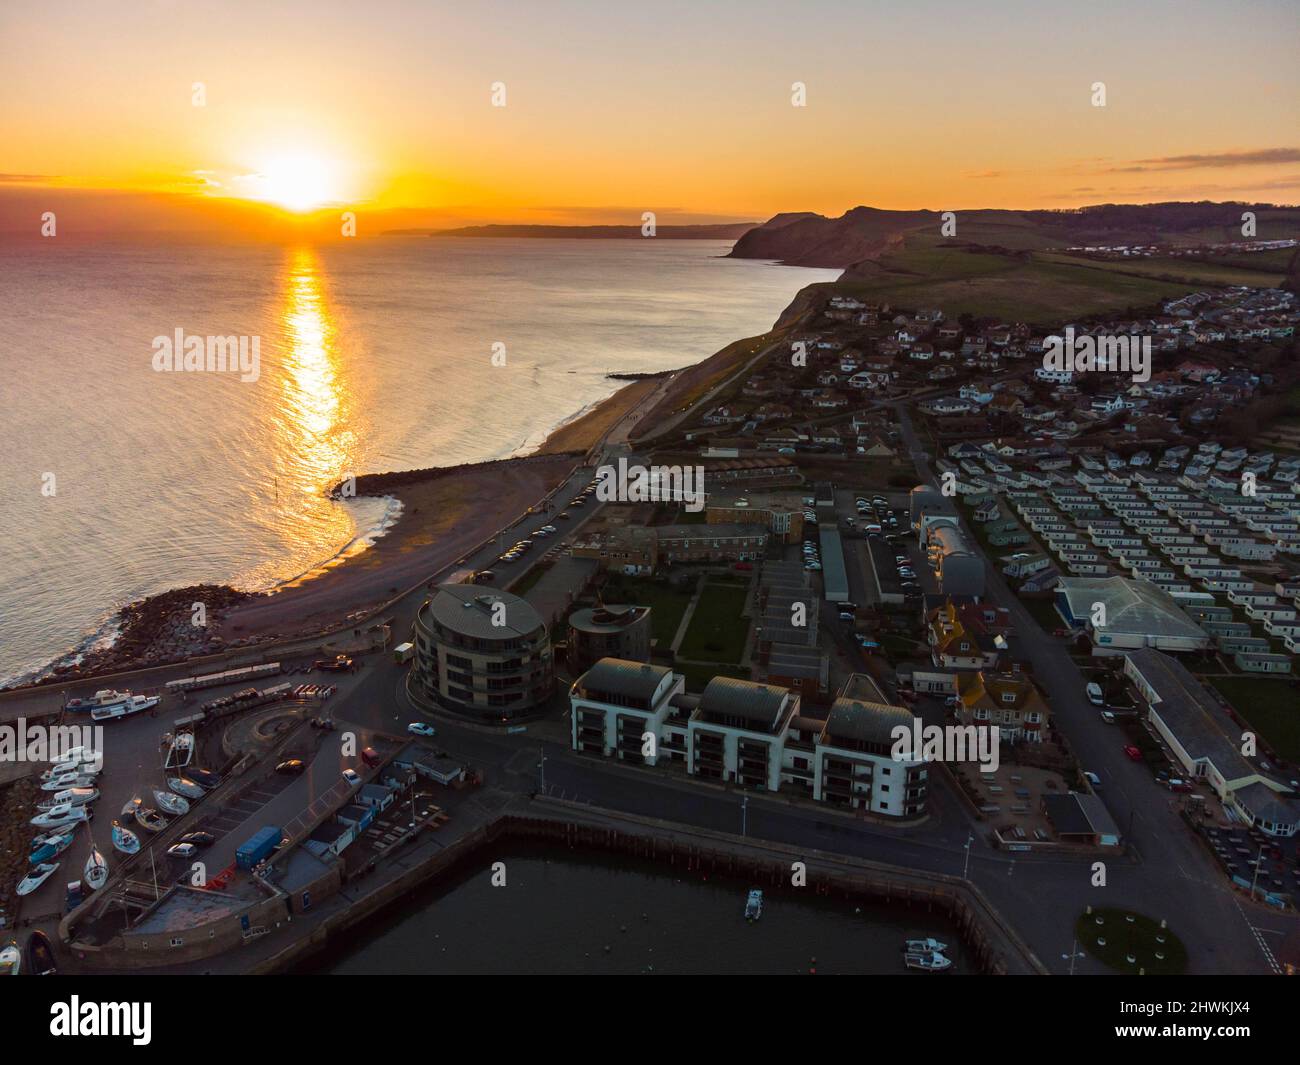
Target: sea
{"x":122,"y":478}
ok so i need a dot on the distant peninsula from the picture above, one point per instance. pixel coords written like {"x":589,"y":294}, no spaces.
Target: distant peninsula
{"x":721,"y":231}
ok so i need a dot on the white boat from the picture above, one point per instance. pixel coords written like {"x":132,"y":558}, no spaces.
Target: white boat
{"x":924,"y":946}
{"x":84,"y":765}
{"x":50,"y":845}
{"x":64,"y":781}
{"x":124,"y":839}
{"x":930,"y":962}
{"x":133,"y":705}
{"x":185,"y":786}
{"x":172,"y":804}
{"x":96,"y":871}
{"x":11,"y":960}
{"x":71,"y":796}
{"x":36,"y":877}
{"x":108,"y":700}
{"x":131,"y":806}
{"x":181,"y":752}
{"x":754,"y":905}
{"x":63,"y":814}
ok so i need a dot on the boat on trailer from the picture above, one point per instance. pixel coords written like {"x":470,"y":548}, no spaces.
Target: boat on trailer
{"x":36,"y":877}
{"x":181,"y":751}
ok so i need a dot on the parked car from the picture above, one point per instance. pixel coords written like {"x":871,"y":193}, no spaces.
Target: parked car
{"x":291,"y":766}
{"x":352,"y":777}
{"x":1180,"y":785}
{"x":1093,"y":779}
{"x":1133,"y":753}
{"x":198,"y":839}
{"x":1108,"y":717}
{"x":182,"y":850}
{"x":371,"y":757}
{"x":420,"y":728}
{"x":1094,"y":694}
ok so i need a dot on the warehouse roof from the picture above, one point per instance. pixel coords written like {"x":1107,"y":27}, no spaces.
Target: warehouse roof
{"x":1136,"y":607}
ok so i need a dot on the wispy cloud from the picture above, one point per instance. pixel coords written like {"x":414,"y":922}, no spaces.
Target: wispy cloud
{"x":1259,"y":157}
{"x":26,"y":179}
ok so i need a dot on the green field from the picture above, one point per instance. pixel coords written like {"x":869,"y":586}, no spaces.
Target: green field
{"x":1192,"y":271}
{"x":667,"y":605}
{"x":717,"y":631}
{"x":1272,"y":707}
{"x":1011,"y":287}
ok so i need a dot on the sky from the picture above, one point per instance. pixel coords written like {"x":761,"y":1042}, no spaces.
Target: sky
{"x":164,"y":113}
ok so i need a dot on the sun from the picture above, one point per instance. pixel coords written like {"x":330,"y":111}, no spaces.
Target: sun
{"x":296,"y":182}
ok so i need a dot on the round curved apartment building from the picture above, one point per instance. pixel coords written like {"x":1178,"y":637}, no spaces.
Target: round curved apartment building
{"x":485,"y":654}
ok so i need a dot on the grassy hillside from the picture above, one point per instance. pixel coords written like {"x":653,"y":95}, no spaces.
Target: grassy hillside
{"x":1039,"y":288}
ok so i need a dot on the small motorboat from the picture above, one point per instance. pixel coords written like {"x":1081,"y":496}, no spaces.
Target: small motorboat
{"x":11,"y":959}
{"x":204,"y":778}
{"x":132,"y":805}
{"x":172,"y":804}
{"x":185,"y":786}
{"x":150,"y":819}
{"x":930,"y":962}
{"x":87,"y":766}
{"x":754,"y":905}
{"x":924,"y":946}
{"x":124,"y":839}
{"x":64,"y":781}
{"x":50,"y":845}
{"x":63,"y":814}
{"x":40,"y":954}
{"x":96,"y":870}
{"x":71,"y":796}
{"x":36,"y":877}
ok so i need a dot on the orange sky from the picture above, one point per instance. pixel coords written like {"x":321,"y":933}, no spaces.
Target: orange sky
{"x":682,"y":109}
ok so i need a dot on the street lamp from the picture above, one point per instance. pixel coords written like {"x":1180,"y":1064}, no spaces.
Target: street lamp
{"x":1075,"y":952}
{"x":744,"y":813}
{"x":970,"y":838}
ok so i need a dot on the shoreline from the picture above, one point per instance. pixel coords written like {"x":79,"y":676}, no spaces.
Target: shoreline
{"x":470,"y":502}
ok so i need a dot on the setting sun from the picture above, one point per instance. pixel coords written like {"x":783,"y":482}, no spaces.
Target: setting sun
{"x":295,"y":182}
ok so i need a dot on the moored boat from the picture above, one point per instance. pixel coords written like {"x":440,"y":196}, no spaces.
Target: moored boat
{"x":131,"y":806}
{"x":71,"y":796}
{"x":11,"y":959}
{"x":63,"y":814}
{"x":124,"y":839}
{"x":930,"y":962}
{"x":185,"y":786}
{"x":150,"y":819}
{"x":50,"y":845}
{"x":96,"y":871}
{"x":924,"y":946}
{"x":36,"y":877}
{"x":40,"y":954}
{"x":172,"y":804}
{"x":132,"y":705}
{"x":754,"y":905}
{"x":64,"y":781}
{"x":181,"y":751}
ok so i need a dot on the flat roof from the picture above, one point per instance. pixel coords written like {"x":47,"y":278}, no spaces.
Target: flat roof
{"x":469,"y":610}
{"x":1132,"y":607}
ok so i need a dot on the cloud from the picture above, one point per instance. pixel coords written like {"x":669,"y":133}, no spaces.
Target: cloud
{"x":26,"y":179}
{"x":1259,"y":157}
{"x":986,"y":174}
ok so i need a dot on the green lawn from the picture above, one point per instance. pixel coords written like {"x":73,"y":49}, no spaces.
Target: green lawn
{"x":667,"y":605}
{"x":1271,"y":706}
{"x":698,"y":675}
{"x":717,"y":631}
{"x":1138,"y":938}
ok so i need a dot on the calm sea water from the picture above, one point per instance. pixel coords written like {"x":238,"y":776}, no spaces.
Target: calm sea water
{"x":558,"y":915}
{"x":374,"y":356}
